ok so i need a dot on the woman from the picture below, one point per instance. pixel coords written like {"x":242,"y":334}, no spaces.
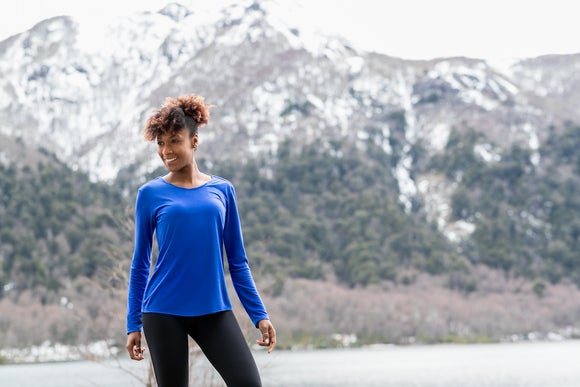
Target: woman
{"x":194,"y":217}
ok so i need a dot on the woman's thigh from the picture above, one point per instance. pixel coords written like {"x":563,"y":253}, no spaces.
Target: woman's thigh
{"x":220,"y":338}
{"x":168,"y":345}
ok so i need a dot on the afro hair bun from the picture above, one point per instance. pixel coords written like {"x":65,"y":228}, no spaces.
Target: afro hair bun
{"x":192,"y":105}
{"x":173,"y":116}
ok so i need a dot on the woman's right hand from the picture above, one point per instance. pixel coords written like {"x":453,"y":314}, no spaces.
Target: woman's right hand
{"x":268,"y":335}
{"x":134,"y":346}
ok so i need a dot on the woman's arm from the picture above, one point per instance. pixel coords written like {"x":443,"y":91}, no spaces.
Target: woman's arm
{"x":139,"y":274}
{"x":238,"y":262}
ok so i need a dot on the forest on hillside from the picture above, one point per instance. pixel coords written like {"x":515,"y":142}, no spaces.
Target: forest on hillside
{"x":56,"y":225}
{"x":328,"y":240}
{"x":318,"y":214}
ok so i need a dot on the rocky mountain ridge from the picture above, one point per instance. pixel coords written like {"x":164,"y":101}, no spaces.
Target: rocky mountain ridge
{"x":86,"y":100}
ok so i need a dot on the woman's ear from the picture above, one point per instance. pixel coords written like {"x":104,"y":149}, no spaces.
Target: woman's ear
{"x":194,"y":141}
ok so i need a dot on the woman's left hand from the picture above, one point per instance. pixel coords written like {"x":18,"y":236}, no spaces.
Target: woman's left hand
{"x":268,"y":335}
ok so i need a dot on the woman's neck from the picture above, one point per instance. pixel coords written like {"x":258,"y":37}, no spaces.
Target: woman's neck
{"x":190,"y":178}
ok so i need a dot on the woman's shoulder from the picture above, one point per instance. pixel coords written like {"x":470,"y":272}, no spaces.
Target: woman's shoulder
{"x":222,"y":183}
{"x":152,"y":185}
{"x":155,"y":182}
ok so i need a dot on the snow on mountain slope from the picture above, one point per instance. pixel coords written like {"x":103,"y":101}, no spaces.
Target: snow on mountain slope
{"x":84,"y":90}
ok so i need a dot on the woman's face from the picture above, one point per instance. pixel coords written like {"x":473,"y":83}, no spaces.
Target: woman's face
{"x":176,"y":149}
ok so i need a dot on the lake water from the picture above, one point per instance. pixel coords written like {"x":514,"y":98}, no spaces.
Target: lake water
{"x":538,"y":364}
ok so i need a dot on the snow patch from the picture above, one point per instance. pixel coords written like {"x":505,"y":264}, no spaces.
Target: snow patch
{"x":533,"y":143}
{"x":439,"y":136}
{"x":50,"y":352}
{"x":487,"y":153}
{"x":356,"y":64}
{"x":407,"y":186}
{"x":436,"y":192}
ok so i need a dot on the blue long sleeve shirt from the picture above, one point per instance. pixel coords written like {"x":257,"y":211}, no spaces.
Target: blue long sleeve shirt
{"x":193,"y":226}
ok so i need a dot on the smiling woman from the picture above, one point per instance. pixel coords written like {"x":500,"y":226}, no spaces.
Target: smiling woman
{"x":195,"y":219}
{"x":175,"y":127}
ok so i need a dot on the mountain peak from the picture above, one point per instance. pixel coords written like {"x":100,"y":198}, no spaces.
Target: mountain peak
{"x":175,"y":11}
{"x":255,"y":6}
{"x":297,"y":81}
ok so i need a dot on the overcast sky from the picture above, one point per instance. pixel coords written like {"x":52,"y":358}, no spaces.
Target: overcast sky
{"x":411,"y":29}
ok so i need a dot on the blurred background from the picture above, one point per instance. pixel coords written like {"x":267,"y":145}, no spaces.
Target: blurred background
{"x":407,"y":175}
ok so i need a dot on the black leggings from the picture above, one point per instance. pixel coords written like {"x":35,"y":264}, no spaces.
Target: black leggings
{"x":218,"y":335}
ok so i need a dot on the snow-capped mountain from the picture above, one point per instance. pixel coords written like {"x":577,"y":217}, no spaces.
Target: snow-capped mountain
{"x":84,"y":91}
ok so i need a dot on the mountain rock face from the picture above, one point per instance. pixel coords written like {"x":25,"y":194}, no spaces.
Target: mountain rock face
{"x":84,"y":93}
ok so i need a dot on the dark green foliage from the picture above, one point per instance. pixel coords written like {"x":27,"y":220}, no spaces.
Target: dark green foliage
{"x":56,"y":224}
{"x":336,"y":208}
{"x":322,"y":211}
{"x":526,"y":214}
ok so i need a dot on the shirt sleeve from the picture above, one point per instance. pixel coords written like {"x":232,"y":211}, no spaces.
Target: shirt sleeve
{"x":238,"y":263}
{"x":144,"y":227}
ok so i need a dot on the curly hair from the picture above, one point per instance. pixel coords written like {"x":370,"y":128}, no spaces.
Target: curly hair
{"x":184,"y":112}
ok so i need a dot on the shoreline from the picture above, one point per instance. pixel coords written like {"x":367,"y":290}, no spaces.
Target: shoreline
{"x":106,"y":350}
